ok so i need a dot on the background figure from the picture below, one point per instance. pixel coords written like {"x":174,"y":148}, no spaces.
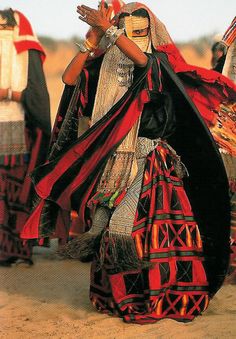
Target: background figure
{"x":24,"y":127}
{"x":219,"y":51}
{"x":158,"y":238}
{"x":224,"y":132}
{"x":223,"y":53}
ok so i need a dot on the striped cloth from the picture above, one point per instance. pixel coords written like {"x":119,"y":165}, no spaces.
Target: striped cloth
{"x":230,"y":34}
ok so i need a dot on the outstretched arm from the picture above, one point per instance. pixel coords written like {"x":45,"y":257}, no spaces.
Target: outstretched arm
{"x":100,"y":21}
{"x":76,"y":65}
{"x":96,"y":18}
{"x":94,"y":36}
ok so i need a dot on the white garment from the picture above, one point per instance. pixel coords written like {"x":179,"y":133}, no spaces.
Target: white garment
{"x":13,"y":74}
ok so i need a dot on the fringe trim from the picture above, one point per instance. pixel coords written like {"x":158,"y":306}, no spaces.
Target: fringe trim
{"x":82,"y":248}
{"x":120,"y":252}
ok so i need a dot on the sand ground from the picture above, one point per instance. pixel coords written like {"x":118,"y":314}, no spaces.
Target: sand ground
{"x":50,"y":300}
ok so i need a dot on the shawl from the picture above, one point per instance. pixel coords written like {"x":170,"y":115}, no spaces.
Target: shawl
{"x":24,"y":37}
{"x":206,"y":88}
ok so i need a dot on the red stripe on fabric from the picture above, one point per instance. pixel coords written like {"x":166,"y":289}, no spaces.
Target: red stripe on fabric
{"x":13,"y":160}
{"x":119,"y":131}
{"x":86,"y":73}
{"x":149,"y":78}
{"x":83,"y":95}
{"x":6,"y":160}
{"x":44,"y":186}
{"x":64,"y":201}
{"x":30,"y":229}
{"x":83,"y":102}
{"x":119,"y":293}
{"x":159,"y":75}
{"x":33,"y":158}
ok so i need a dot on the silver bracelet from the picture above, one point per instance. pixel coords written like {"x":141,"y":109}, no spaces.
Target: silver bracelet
{"x":112,"y":34}
{"x":9,"y":94}
{"x":84,"y":49}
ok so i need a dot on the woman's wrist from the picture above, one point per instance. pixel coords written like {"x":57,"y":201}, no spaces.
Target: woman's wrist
{"x":90,"y":45}
{"x":112,"y":34}
{"x":87,"y":47}
{"x":105,"y":26}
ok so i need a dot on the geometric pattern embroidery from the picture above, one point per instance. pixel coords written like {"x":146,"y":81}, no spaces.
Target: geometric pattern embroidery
{"x":11,"y":182}
{"x":167,"y":236}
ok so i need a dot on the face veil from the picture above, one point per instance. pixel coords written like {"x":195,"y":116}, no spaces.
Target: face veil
{"x":131,"y":23}
{"x":157,"y":31}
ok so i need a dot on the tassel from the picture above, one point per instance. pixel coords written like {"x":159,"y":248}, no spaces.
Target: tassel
{"x":82,"y":248}
{"x":121,"y":252}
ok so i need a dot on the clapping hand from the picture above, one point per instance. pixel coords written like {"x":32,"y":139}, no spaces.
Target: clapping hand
{"x":96,"y":18}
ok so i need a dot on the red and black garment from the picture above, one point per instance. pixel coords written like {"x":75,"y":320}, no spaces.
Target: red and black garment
{"x":16,"y":190}
{"x":173,"y":284}
{"x":69,"y":178}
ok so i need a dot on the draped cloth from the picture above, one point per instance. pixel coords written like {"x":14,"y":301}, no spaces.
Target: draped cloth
{"x":24,"y":36}
{"x":69,"y":179}
{"x":25,"y":134}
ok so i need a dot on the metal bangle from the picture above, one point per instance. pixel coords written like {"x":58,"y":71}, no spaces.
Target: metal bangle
{"x":113,"y":33}
{"x":84,"y":48}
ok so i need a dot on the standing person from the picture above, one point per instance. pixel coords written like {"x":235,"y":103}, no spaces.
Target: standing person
{"x":224,"y":132}
{"x":24,"y":128}
{"x":156,"y":252}
{"x":223,"y":52}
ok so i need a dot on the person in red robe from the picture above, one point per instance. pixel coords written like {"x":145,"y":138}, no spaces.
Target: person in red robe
{"x":156,"y":226}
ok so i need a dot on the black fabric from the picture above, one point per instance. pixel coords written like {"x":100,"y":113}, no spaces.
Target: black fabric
{"x":35,"y":98}
{"x":220,"y":64}
{"x":93,"y":69}
{"x":207,"y":185}
{"x":158,"y":117}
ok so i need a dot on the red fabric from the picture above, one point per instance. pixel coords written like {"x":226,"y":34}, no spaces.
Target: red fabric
{"x":27,"y":39}
{"x":212,"y":88}
{"x":30,"y":229}
{"x":24,"y":195}
{"x":116,"y":4}
{"x":44,"y":187}
{"x":24,"y":25}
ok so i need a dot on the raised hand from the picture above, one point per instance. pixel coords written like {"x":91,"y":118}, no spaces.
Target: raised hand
{"x":96,"y":18}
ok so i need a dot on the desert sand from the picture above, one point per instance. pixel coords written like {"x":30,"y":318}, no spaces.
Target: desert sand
{"x":50,"y":300}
